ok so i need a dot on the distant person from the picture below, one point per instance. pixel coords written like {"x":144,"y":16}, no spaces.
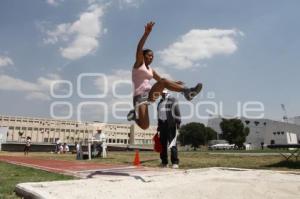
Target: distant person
{"x":27,"y":145}
{"x":144,"y":92}
{"x":168,"y":121}
{"x":103,"y":144}
{"x":262,"y":145}
{"x":65,"y":148}
{"x":78,"y":150}
{"x":58,"y":142}
{"x":61,"y":148}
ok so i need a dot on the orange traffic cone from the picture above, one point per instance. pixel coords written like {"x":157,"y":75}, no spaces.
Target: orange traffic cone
{"x":136,"y":161}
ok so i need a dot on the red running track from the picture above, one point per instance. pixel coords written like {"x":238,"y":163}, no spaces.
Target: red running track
{"x":57,"y":166}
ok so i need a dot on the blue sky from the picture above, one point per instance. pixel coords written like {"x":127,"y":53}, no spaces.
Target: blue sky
{"x":240,"y":50}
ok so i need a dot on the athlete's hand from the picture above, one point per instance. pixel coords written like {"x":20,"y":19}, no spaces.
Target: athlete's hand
{"x":148,"y":27}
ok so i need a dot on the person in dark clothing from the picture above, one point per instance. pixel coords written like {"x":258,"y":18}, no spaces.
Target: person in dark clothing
{"x":168,"y":121}
{"x":262,"y":145}
{"x":27,"y":145}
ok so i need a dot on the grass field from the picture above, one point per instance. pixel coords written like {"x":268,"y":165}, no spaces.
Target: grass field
{"x":191,"y":159}
{"x":10,"y":175}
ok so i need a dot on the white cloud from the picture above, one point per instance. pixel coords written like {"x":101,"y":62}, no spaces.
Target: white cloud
{"x":39,"y":90}
{"x":81,"y":37}
{"x":92,"y":1}
{"x":197,"y":45}
{"x":54,"y":2}
{"x":130,"y":3}
{"x":37,"y":96}
{"x":118,"y":78}
{"x":163,"y":73}
{"x":60,"y":33}
{"x":13,"y":84}
{"x":5,"y":61}
{"x":45,"y":82}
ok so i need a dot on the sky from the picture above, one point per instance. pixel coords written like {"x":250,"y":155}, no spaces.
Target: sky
{"x":72,"y":59}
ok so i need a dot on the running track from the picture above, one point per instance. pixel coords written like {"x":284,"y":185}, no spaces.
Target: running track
{"x":59,"y":166}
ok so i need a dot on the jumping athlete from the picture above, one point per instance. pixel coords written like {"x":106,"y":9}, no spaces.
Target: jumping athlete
{"x":144,"y":92}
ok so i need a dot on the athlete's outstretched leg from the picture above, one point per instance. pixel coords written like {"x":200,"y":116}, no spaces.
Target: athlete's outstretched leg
{"x":158,"y":87}
{"x":163,"y":83}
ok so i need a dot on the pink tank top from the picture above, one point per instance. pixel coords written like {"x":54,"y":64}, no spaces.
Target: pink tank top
{"x":141,"y":79}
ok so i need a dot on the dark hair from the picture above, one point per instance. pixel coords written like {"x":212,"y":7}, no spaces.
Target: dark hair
{"x":145,"y":51}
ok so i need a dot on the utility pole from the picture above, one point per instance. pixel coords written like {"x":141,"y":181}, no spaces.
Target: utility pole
{"x":285,"y":117}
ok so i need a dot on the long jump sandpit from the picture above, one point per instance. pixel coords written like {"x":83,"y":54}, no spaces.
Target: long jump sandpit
{"x":209,"y":183}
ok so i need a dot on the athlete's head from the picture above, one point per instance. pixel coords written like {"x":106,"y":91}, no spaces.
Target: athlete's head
{"x":148,"y":56}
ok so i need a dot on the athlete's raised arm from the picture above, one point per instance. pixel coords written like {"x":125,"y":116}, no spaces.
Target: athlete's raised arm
{"x":139,"y":60}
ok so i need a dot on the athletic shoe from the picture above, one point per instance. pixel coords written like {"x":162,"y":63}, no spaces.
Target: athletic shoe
{"x":131,"y":115}
{"x":190,"y":93}
{"x":164,"y":166}
{"x":175,"y":166}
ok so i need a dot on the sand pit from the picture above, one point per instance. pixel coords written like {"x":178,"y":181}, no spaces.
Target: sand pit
{"x":210,"y":183}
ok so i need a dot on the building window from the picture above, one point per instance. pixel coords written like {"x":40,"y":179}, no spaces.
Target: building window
{"x":272,"y":142}
{"x":282,"y":132}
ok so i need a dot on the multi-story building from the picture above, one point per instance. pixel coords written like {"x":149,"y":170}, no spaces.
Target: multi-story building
{"x":48,"y":131}
{"x":140,"y":136}
{"x":263,"y":131}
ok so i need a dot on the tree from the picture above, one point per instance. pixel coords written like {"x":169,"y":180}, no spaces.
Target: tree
{"x":234,"y":131}
{"x":196,"y":134}
{"x":211,"y":134}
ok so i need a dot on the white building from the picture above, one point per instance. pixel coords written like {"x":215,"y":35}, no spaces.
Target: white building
{"x":264,"y":131}
{"x":45,"y":131}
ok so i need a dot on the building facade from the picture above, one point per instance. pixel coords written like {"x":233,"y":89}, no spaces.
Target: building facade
{"x":48,"y":131}
{"x":263,"y":131}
